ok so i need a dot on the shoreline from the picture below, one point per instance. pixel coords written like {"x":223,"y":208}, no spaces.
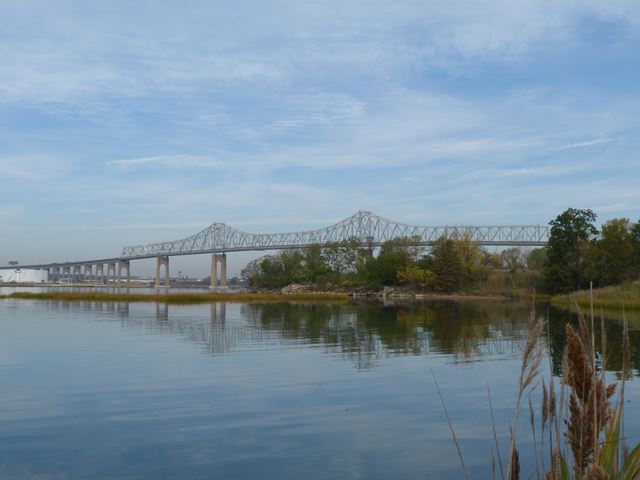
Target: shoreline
{"x":180,"y":298}
{"x":191,"y":298}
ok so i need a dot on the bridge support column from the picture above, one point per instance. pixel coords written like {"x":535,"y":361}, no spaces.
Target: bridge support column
{"x":66,"y":273}
{"x":214,"y":271}
{"x":123,"y":265}
{"x":88,"y":271}
{"x":100,"y":272}
{"x":162,"y":260}
{"x":77,"y":271}
{"x":223,"y":271}
{"x":220,"y":258}
{"x":111,"y":271}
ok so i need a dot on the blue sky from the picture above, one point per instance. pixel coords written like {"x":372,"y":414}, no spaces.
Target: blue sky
{"x":125,"y":123}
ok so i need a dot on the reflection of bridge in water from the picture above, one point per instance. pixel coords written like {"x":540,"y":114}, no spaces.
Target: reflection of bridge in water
{"x":362,"y":334}
{"x":219,"y":239}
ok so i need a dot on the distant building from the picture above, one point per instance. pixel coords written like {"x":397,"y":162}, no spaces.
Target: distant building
{"x":23,"y":275}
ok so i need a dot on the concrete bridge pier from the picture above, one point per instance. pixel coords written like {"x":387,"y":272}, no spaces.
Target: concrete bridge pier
{"x":160,"y":261}
{"x":220,"y":258}
{"x":111,"y":271}
{"x":66,"y":273}
{"x":100,"y":272}
{"x":123,"y":265}
{"x":88,"y":271}
{"x":77,"y":271}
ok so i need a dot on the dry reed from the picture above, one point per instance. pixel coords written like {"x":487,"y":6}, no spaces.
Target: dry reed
{"x":592,"y":446}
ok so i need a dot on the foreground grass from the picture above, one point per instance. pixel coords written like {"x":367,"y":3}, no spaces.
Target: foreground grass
{"x":625,"y":296}
{"x":179,"y":298}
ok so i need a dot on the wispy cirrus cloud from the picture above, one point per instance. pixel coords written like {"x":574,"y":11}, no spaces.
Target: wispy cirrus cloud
{"x":583,"y":144}
{"x":171,"y":161}
{"x":216,"y":46}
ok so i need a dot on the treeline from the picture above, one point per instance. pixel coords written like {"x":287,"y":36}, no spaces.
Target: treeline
{"x":450,"y":265}
{"x":577,"y":253}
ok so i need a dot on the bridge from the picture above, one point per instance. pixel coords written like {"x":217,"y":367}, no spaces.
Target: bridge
{"x":219,"y":239}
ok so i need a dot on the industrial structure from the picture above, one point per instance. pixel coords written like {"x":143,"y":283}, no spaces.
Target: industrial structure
{"x":219,"y":239}
{"x":24,"y":275}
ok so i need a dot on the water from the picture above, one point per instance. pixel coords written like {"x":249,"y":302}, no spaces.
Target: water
{"x":146,"y":391}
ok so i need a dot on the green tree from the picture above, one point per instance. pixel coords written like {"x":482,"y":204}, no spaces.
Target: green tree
{"x":416,"y":277}
{"x":472,"y":256}
{"x":425,"y":263}
{"x":448,"y":265}
{"x":271,"y":273}
{"x":292,"y":267}
{"x":571,"y":235}
{"x":537,"y":258}
{"x":491,"y":260}
{"x":394,"y":256}
{"x":612,"y":255}
{"x":315,"y":266}
{"x":635,"y":248}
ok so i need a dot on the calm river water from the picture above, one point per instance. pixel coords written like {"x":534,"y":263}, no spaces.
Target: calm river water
{"x":283,"y":391}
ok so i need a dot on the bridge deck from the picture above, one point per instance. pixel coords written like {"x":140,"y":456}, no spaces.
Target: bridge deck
{"x":369,"y":229}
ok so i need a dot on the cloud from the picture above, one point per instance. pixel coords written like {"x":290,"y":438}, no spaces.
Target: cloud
{"x":78,"y":53}
{"x":586,"y":143}
{"x":33,"y":168}
{"x":171,"y":161}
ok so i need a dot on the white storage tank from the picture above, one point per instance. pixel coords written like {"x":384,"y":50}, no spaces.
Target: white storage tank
{"x":23,"y":275}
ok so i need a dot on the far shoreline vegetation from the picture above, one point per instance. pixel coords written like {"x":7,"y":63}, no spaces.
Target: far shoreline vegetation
{"x":576,"y":257}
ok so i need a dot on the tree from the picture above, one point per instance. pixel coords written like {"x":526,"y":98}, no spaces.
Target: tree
{"x":472,"y":256}
{"x":292,"y":266}
{"x":512,"y":259}
{"x":250,"y":274}
{"x":415,"y":276}
{"x":448,"y":265}
{"x":491,"y":260}
{"x":342,"y":257}
{"x":394,"y":256}
{"x":635,"y":248}
{"x":537,"y":258}
{"x":571,"y":235}
{"x":612,"y":255}
{"x":315,"y":266}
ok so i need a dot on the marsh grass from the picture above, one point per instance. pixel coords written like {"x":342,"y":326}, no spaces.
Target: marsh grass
{"x":581,"y":436}
{"x":609,"y":298}
{"x":589,"y":442}
{"x":179,"y":298}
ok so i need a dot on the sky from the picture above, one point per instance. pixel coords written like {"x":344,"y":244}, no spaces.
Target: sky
{"x":133,"y":122}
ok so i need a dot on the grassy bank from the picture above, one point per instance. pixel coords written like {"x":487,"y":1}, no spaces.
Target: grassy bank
{"x":617,"y":297}
{"x":179,"y":298}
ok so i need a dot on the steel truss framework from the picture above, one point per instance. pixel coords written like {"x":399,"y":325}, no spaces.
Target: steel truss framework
{"x":370,"y":229}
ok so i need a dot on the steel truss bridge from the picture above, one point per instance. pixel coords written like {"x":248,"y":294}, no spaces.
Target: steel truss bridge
{"x":370,"y":229}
